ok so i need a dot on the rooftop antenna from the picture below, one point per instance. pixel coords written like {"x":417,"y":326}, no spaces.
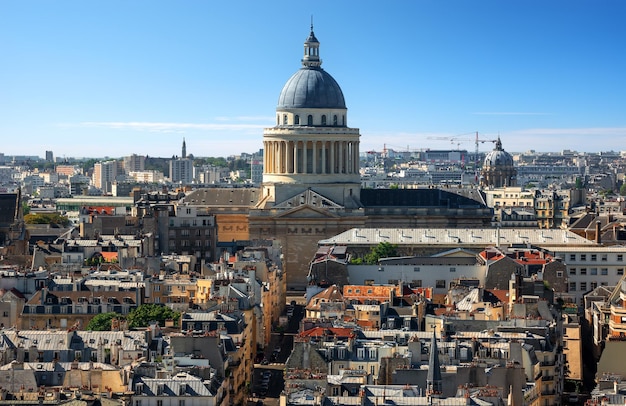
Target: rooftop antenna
{"x":311,"y":22}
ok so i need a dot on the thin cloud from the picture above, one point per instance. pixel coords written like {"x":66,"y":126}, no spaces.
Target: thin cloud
{"x":172,"y":127}
{"x":246,"y":118}
{"x":585,"y":131}
{"x":509,"y":113}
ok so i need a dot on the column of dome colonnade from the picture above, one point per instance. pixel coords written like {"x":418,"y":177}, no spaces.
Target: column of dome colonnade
{"x":319,"y":157}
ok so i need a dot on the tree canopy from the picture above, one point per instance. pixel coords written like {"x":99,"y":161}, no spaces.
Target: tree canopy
{"x":144,"y":314}
{"x":382,"y":250}
{"x":46,"y":218}
{"x":102,"y":321}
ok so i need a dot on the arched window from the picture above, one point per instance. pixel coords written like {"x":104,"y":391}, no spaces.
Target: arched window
{"x":324,"y":119}
{"x":309,"y":120}
{"x":284,"y":119}
{"x":296,"y":119}
{"x":335,"y":120}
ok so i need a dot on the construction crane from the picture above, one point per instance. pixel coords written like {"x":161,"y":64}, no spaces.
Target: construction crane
{"x":454,"y":140}
{"x":482,"y":141}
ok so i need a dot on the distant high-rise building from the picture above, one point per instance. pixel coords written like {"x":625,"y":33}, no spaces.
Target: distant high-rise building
{"x":49,"y":156}
{"x":104,"y":173}
{"x":134,"y":163}
{"x":181,"y":171}
{"x":184,"y":154}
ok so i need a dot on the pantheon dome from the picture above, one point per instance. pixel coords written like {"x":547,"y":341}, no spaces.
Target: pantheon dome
{"x":498,"y":168}
{"x":311,"y":145}
{"x":311,"y":86}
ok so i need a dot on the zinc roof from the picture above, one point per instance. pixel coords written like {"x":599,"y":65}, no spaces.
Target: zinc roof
{"x":458,"y":237}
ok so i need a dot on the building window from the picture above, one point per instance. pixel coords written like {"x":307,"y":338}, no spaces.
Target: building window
{"x":309,"y":120}
{"x":416,"y":283}
{"x":572,"y":257}
{"x":604,"y":271}
{"x":583,"y":286}
{"x":440,"y":284}
{"x":620,"y":257}
{"x":360,"y":353}
{"x":296,"y":119}
{"x":620,"y":271}
{"x":583,"y":271}
{"x":583,"y":257}
{"x":559,"y":274}
{"x":572,"y":286}
{"x":137,"y":402}
{"x":594,"y":285}
{"x":159,"y":402}
{"x":285,"y":122}
{"x":323,"y":119}
{"x":604,"y":258}
{"x":594,"y":271}
{"x":416,"y":269}
{"x":452,"y":269}
{"x":594,"y":257}
{"x":572,"y":271}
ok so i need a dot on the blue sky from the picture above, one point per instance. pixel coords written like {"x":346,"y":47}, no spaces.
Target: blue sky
{"x":113,"y":78}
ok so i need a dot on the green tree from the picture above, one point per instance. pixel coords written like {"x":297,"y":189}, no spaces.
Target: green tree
{"x":25,"y":208}
{"x":579,"y":183}
{"x":382,"y":250}
{"x":622,"y":190}
{"x":102,"y":321}
{"x":46,"y":218}
{"x":144,"y":314}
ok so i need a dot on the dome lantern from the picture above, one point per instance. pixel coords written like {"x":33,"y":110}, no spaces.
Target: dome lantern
{"x":311,"y":57}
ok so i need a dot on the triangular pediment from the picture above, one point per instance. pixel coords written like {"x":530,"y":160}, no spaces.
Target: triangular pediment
{"x":308,"y":198}
{"x":306,"y":211}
